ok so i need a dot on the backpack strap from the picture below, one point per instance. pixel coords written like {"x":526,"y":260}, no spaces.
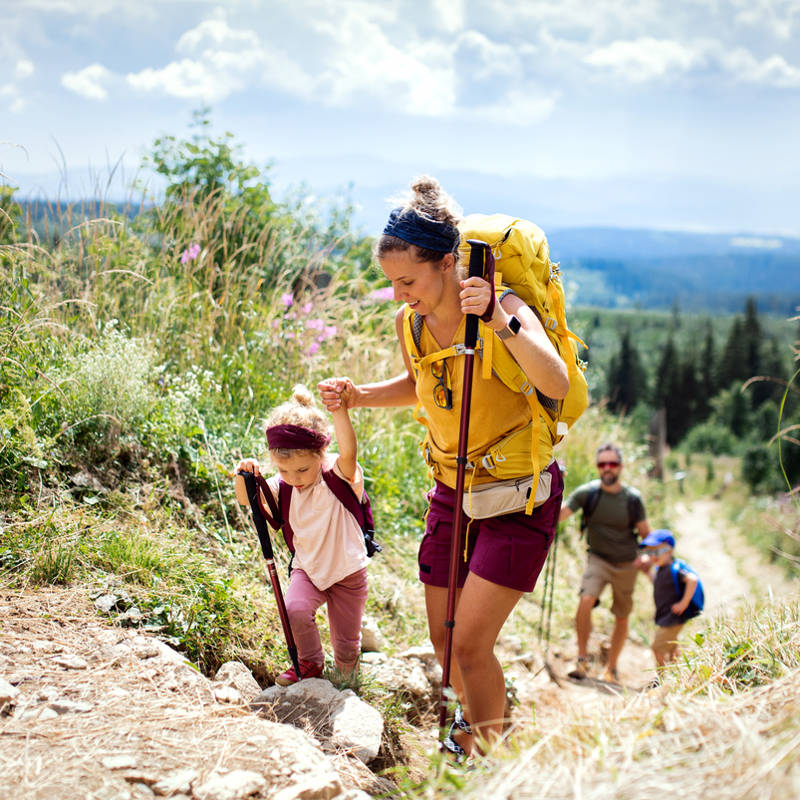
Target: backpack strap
{"x":589,"y":507}
{"x":273,"y":516}
{"x":284,"y":502}
{"x":345,"y":495}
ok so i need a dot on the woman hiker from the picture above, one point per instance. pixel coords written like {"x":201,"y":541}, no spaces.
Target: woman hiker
{"x":418,"y":253}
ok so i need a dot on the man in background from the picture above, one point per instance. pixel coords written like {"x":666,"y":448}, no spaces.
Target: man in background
{"x":613,"y":518}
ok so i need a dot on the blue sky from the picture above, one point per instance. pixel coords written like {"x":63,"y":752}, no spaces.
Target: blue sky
{"x":647,"y":114}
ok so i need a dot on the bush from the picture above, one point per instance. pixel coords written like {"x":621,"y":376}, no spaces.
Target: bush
{"x":710,"y":437}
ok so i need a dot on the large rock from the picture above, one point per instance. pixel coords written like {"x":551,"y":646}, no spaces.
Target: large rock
{"x":397,"y":675}
{"x":316,"y":787}
{"x":234,"y":785}
{"x":371,"y":636}
{"x":339,"y":719}
{"x":235,"y":675}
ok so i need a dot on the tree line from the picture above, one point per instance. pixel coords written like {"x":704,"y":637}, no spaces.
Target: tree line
{"x":718,"y":398}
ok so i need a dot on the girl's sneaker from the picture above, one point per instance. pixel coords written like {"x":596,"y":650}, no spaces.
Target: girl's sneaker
{"x":307,"y":670}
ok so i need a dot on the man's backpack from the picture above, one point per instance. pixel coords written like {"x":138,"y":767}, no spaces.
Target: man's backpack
{"x":698,"y":601}
{"x":278,"y":517}
{"x":521,"y":264}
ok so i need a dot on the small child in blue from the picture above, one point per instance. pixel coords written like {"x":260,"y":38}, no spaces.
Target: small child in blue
{"x":677,"y":593}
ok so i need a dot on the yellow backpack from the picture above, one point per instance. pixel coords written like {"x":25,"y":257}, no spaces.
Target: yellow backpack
{"x":522,"y":264}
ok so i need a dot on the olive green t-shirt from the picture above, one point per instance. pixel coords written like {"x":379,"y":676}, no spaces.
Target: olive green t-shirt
{"x":609,"y":532}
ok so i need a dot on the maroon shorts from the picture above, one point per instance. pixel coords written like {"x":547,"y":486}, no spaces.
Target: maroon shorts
{"x":509,"y":550}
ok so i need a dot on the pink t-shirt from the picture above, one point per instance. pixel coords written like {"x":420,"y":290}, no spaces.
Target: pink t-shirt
{"x":328,"y":542}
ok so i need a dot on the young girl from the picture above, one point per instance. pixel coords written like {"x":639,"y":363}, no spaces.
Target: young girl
{"x":418,"y":253}
{"x":330,"y":558}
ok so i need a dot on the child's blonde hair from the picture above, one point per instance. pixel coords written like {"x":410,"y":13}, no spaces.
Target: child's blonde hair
{"x":300,"y":410}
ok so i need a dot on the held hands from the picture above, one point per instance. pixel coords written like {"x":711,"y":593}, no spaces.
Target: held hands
{"x":679,"y":608}
{"x":337,"y":393}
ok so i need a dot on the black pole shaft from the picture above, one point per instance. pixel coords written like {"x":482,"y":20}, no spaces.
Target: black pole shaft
{"x":476,"y":261}
{"x":266,"y":548}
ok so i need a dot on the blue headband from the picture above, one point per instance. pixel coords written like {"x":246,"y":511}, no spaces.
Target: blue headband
{"x":411,"y":227}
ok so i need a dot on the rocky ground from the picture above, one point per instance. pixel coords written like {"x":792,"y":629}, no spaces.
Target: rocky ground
{"x":93,"y":710}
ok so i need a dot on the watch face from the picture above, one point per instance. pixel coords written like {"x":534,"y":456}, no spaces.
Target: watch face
{"x":514,"y":324}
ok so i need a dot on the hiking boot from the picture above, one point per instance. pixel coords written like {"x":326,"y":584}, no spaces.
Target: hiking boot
{"x":610,"y":675}
{"x":307,"y":670}
{"x":582,"y":668}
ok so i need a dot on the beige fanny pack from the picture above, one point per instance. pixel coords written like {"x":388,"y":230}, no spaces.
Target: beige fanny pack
{"x":505,"y":497}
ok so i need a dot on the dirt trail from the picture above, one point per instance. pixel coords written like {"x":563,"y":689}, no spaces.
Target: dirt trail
{"x":731,"y":571}
{"x":729,"y":568}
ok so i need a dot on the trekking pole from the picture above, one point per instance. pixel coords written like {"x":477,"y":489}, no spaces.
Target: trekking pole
{"x":260,"y":522}
{"x":476,"y":261}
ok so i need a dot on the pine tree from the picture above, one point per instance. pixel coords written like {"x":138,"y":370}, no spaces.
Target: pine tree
{"x":627,"y":383}
{"x":733,"y":361}
{"x":707,"y":387}
{"x":667,"y":392}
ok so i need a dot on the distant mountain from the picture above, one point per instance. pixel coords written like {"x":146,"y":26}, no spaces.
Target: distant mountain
{"x":620,"y":268}
{"x":623,"y":267}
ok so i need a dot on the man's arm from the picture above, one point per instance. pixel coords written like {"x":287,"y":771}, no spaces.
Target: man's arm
{"x":643,"y":528}
{"x":565,"y":513}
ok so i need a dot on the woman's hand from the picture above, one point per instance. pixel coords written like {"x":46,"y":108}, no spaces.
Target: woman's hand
{"x":475,"y":296}
{"x":248,"y":465}
{"x":336,"y":393}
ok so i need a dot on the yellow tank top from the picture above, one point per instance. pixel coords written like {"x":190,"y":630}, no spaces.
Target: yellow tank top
{"x":496,"y":411}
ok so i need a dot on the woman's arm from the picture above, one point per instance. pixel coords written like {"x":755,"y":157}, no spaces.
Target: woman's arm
{"x":531,"y":347}
{"x":397,"y":391}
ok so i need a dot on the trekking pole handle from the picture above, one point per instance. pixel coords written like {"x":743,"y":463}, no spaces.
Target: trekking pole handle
{"x":477,"y":252}
{"x":258,"y":517}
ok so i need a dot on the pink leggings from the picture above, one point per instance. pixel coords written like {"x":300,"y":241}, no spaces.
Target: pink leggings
{"x":346,"y":600}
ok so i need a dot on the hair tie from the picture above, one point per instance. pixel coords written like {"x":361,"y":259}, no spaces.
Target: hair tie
{"x":295,"y":437}
{"x":412,"y":227}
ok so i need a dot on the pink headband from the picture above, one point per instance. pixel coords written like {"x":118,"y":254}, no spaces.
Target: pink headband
{"x":295,"y":437}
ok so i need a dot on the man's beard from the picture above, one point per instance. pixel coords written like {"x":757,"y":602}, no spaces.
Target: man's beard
{"x":608,"y":478}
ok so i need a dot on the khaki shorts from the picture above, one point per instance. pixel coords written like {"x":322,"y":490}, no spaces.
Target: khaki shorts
{"x":665,"y":642}
{"x":622,"y":578}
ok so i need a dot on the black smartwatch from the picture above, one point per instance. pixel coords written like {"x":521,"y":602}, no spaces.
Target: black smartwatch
{"x":511,"y":329}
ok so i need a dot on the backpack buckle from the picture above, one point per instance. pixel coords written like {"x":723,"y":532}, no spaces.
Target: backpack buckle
{"x":526,"y":388}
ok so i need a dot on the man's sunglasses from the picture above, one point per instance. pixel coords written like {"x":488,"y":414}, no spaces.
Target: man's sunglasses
{"x":607,"y":464}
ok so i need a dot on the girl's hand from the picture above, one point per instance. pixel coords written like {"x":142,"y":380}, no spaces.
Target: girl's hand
{"x":248,"y":465}
{"x":475,"y":296}
{"x":678,"y":608}
{"x":337,"y":393}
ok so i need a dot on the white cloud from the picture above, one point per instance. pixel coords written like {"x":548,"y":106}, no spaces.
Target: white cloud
{"x":362,"y":61}
{"x":23,"y":68}
{"x":772,"y":71}
{"x":90,"y":82}
{"x":646,"y":58}
{"x":451,"y":14}
{"x":778,"y":17}
{"x":221,"y":61}
{"x":649,"y":59}
{"x":216,"y":34}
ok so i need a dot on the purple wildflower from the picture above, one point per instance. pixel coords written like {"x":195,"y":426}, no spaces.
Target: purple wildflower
{"x":287,"y":299}
{"x":386,"y":293}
